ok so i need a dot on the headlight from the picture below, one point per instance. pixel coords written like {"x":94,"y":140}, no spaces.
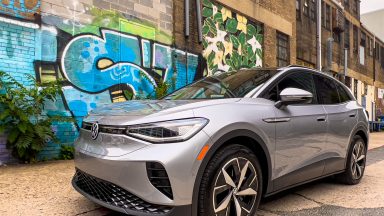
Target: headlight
{"x":167,"y":131}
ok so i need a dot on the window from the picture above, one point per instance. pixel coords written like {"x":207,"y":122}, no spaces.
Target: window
{"x":356,"y":82}
{"x":363,"y":39}
{"x":346,"y":4}
{"x":355,"y":39}
{"x":363,"y":44}
{"x":377,"y":50}
{"x":336,"y":37}
{"x":328,"y":17}
{"x":347,"y":34}
{"x":382,"y":57}
{"x":298,"y":12}
{"x":370,"y":46}
{"x":322,"y":14}
{"x":343,"y":94}
{"x":355,"y":6}
{"x":306,"y":8}
{"x":326,"y":89}
{"x":301,"y":80}
{"x":313,"y":10}
{"x":282,"y":49}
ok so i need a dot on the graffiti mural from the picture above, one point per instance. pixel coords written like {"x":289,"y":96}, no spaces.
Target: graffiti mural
{"x":20,"y":8}
{"x":102,"y":56}
{"x":231,"y":41}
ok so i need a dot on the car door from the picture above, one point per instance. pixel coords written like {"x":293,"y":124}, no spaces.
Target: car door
{"x":300,"y":133}
{"x":341,"y":119}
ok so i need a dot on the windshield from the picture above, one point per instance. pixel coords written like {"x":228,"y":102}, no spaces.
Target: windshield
{"x":234,"y":84}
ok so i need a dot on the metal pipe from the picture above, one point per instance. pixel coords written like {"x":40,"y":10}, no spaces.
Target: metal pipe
{"x":199,"y":24}
{"x":345,"y":63}
{"x":186,"y":15}
{"x":318,"y":35}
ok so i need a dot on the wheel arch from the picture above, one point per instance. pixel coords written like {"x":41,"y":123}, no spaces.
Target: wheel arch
{"x":362,"y":132}
{"x":242,"y":137}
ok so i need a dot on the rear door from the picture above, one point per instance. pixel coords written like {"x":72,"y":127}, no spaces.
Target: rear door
{"x":300,"y":133}
{"x":341,"y":119}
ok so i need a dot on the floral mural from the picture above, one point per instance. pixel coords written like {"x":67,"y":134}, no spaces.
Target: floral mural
{"x":230,"y":40}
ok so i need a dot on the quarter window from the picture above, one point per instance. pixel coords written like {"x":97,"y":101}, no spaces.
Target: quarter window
{"x":326,"y":90}
{"x":343,"y":95}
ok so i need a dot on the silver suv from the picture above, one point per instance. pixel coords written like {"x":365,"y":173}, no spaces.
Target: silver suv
{"x":217,"y":146}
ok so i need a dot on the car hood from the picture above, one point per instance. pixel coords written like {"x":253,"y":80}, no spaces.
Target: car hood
{"x":120,"y":113}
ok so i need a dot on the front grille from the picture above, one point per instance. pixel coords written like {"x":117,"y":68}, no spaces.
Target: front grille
{"x":159,"y":178}
{"x":105,"y":128}
{"x":114,"y":195}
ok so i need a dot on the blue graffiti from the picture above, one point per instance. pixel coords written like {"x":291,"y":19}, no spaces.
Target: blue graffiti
{"x":94,"y":64}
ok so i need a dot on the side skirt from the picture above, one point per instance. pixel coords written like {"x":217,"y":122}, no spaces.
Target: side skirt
{"x":302,"y":183}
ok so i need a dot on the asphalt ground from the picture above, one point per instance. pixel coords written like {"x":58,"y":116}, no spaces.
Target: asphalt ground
{"x":45,"y":189}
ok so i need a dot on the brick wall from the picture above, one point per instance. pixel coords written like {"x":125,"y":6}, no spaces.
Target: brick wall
{"x":17,"y":54}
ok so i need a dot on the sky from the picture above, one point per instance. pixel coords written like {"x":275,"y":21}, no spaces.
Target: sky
{"x":371,"y":5}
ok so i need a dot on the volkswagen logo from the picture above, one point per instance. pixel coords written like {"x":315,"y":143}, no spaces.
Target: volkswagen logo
{"x":95,"y":130}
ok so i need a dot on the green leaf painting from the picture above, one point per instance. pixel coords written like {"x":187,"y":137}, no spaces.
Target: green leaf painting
{"x":231,"y":41}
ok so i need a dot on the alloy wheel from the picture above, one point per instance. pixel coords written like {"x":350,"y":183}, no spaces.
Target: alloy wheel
{"x":358,"y":160}
{"x":235,"y":189}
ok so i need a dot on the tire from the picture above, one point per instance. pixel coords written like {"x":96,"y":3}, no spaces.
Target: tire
{"x":217,"y":194}
{"x":356,"y":162}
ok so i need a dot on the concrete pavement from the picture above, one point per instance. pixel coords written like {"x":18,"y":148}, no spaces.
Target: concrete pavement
{"x":45,"y":189}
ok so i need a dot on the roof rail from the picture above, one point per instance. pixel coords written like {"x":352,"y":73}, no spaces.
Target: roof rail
{"x":301,"y":66}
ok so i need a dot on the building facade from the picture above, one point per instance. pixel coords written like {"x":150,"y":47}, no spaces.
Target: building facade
{"x":109,"y":51}
{"x":349,"y":51}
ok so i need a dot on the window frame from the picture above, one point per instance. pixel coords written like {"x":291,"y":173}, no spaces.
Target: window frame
{"x":279,"y":37}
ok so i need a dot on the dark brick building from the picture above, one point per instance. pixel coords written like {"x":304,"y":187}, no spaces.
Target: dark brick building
{"x":341,"y":24}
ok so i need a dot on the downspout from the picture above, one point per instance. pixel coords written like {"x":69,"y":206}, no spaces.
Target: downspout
{"x":318,"y":35}
{"x":199,"y":24}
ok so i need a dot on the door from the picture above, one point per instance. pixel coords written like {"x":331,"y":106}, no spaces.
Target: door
{"x":300,"y":134}
{"x":341,"y":119}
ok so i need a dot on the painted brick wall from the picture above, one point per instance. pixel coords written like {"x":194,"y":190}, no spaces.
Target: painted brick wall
{"x":17,"y":54}
{"x":53,"y":39}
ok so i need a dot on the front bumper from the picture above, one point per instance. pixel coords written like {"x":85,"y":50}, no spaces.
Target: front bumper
{"x":128,"y":172}
{"x":116,"y":198}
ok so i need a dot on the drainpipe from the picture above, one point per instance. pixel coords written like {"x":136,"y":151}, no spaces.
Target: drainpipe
{"x":199,"y":25}
{"x":186,"y":15}
{"x":318,"y":35}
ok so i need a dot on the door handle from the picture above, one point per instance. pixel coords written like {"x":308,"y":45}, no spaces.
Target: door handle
{"x":352,"y":115}
{"x":321,"y":119}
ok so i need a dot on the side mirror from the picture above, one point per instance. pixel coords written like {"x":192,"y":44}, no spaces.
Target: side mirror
{"x":293,"y":96}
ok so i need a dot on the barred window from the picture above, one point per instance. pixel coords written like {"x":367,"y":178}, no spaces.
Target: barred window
{"x":282,"y":49}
